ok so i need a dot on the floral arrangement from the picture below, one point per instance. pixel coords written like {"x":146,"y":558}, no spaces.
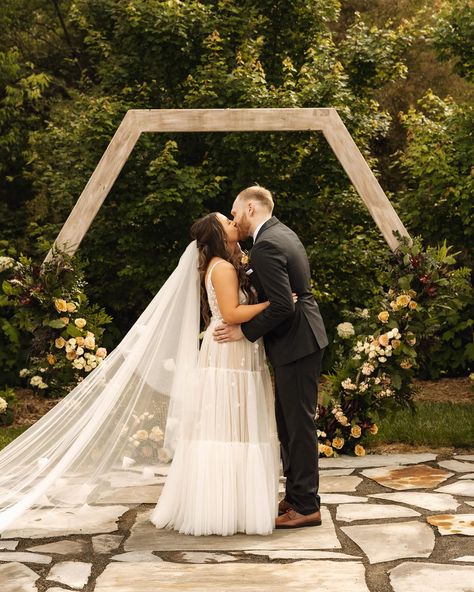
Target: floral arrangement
{"x":145,"y":440}
{"x":377,"y":352}
{"x":55,"y":328}
{"x":7,"y":406}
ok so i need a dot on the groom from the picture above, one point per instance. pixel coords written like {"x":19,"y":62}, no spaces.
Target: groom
{"x":294,"y":337}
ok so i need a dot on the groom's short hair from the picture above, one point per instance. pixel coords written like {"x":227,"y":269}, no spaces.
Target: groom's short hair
{"x":259,"y":194}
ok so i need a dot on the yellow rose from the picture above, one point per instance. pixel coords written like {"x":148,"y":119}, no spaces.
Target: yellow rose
{"x":60,"y":342}
{"x":403,"y":300}
{"x":328,"y":451}
{"x":51,"y":359}
{"x":338,"y":443}
{"x":396,"y":343}
{"x":406,"y":364}
{"x":394,"y":306}
{"x":356,"y":431}
{"x":383,"y":340}
{"x":412,"y":305}
{"x":60,"y":305}
{"x":71,"y":307}
{"x":383,"y":316}
{"x":89,"y":342}
{"x":71,"y":355}
{"x":81,"y":323}
{"x":359,"y":450}
{"x":373,"y":429}
{"x":65,"y":320}
{"x":80,"y":341}
{"x":101,"y":352}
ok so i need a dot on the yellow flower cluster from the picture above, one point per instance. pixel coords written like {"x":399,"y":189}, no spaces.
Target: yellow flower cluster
{"x":325,"y":449}
{"x":63,"y":306}
{"x":404,"y":300}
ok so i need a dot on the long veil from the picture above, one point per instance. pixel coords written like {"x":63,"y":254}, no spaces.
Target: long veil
{"x":118,"y":427}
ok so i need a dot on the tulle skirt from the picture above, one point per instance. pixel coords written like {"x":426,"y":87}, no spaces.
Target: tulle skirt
{"x":224,"y":475}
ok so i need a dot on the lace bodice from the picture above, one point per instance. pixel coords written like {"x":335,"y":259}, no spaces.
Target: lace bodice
{"x":211,"y":295}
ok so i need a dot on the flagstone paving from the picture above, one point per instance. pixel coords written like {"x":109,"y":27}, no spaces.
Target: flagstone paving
{"x":391,"y":523}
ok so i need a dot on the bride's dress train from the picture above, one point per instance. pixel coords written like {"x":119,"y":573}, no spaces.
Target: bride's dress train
{"x":225,"y":470}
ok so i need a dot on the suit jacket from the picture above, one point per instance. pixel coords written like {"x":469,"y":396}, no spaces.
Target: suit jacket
{"x":279,"y":266}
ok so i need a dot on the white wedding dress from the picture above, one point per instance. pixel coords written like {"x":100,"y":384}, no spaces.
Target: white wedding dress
{"x":225,"y":471}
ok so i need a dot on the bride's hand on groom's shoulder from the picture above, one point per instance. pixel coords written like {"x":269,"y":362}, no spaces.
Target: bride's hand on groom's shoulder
{"x":225,"y":333}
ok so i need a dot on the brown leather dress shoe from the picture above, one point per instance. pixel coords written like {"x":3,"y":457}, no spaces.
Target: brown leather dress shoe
{"x":283,"y":507}
{"x":292,"y":519}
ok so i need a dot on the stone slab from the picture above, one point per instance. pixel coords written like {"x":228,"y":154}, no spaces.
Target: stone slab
{"x":329,"y":499}
{"x":144,"y":536}
{"x":145,"y":494}
{"x":469,"y":558}
{"x":463,"y":488}
{"x":388,"y":542}
{"x":233,"y":577}
{"x":426,"y":577}
{"x":24,"y":557}
{"x":338,"y":484}
{"x":464,"y":457}
{"x":374,"y":460}
{"x":436,"y":502}
{"x":16,"y":577}
{"x":8,"y":545}
{"x":467,"y":476}
{"x":453,"y":523}
{"x":402,"y":478}
{"x":457,"y":466}
{"x":63,"y":522}
{"x":62,"y":548}
{"x":335,"y":472}
{"x":203,"y":557}
{"x":353,"y":512}
{"x":137,"y":557}
{"x":71,"y":573}
{"x":106,"y":543}
{"x":298,"y":555}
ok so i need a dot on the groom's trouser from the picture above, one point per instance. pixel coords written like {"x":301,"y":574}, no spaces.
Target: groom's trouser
{"x":296,"y":393}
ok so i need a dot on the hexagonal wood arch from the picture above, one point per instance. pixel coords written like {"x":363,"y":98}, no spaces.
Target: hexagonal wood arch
{"x":138,"y":121}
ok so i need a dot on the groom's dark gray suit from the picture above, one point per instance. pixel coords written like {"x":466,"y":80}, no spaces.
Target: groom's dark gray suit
{"x":294,"y":337}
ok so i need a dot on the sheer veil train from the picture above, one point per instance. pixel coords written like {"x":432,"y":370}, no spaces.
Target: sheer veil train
{"x":119,"y":426}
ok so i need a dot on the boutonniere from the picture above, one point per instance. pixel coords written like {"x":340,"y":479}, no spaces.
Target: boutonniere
{"x":245,"y":258}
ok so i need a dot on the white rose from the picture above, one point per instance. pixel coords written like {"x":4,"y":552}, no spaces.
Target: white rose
{"x":42,"y":385}
{"x":36,"y":380}
{"x":6,"y":263}
{"x":164,"y":455}
{"x":23,"y":372}
{"x":79,"y":351}
{"x":3,"y":405}
{"x":345,"y":330}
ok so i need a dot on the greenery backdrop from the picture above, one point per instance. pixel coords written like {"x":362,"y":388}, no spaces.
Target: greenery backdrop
{"x":400,"y":73}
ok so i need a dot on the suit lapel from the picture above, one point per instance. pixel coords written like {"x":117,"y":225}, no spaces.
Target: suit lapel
{"x":268,"y":224}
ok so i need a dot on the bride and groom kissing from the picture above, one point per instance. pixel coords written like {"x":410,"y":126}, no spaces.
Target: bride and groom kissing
{"x":223,"y":425}
{"x":224,"y":477}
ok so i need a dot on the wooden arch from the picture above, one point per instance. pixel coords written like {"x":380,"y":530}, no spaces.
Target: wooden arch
{"x":138,"y":121}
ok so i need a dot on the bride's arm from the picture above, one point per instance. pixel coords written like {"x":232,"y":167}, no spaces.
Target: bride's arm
{"x":226,"y":286}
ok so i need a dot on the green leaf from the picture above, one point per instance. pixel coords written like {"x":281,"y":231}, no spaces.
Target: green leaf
{"x":73,"y":331}
{"x":55,"y":324}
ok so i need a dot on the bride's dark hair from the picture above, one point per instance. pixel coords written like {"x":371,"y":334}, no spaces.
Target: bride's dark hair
{"x":212,"y":242}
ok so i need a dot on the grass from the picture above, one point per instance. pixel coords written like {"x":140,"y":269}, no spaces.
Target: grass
{"x":434,"y":424}
{"x":7,"y":434}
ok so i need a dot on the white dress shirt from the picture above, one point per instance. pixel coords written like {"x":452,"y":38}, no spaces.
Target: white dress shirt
{"x":255,"y":232}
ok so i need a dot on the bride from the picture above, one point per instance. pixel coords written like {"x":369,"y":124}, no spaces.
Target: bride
{"x":224,"y":476}
{"x":158,"y":395}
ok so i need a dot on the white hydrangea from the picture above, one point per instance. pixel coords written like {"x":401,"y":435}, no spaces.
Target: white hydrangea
{"x":6,"y":263}
{"x":345,"y":330}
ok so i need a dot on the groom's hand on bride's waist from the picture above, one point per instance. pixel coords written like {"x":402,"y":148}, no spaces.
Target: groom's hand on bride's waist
{"x":225,"y":333}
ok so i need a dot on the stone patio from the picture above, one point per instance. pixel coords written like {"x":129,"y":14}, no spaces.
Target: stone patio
{"x":391,"y":523}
